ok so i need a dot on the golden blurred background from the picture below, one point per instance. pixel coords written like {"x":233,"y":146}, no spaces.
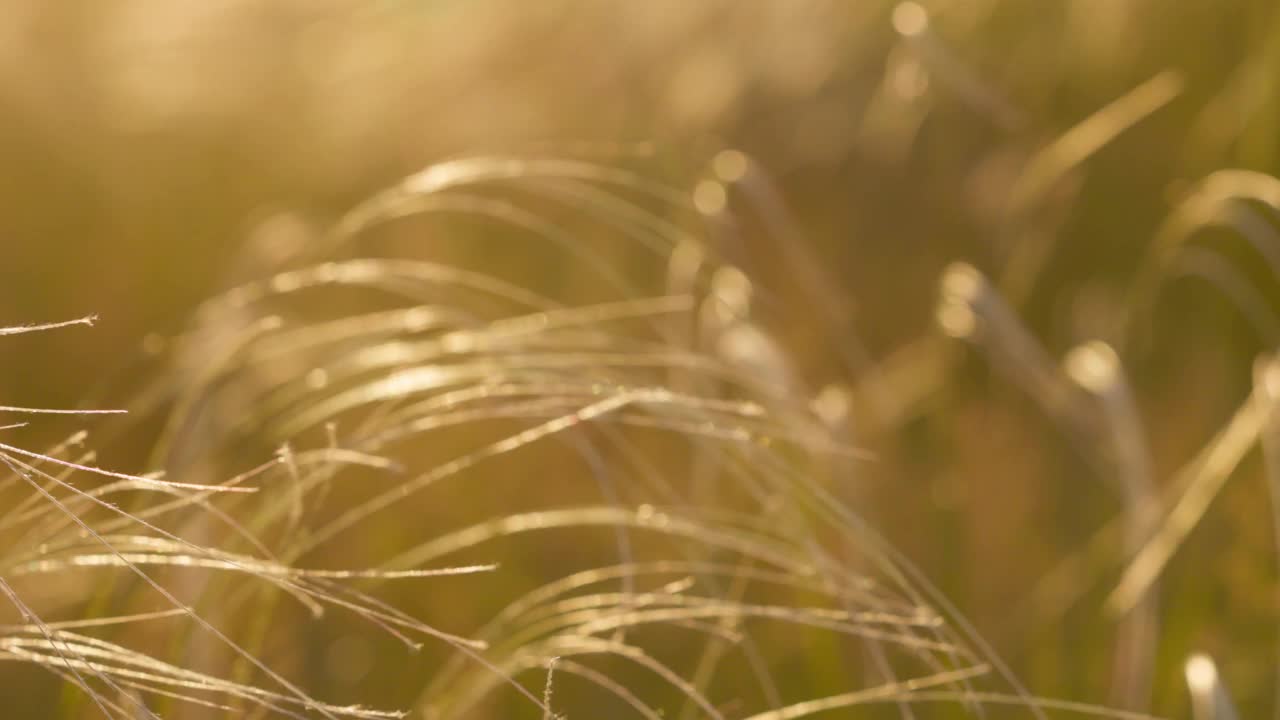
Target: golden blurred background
{"x":841,"y":155}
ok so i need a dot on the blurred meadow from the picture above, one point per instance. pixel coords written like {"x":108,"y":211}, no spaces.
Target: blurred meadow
{"x":723,"y":359}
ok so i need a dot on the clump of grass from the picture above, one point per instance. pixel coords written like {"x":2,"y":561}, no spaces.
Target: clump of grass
{"x":577,"y":387}
{"x":65,"y":517}
{"x":448,"y":349}
{"x":669,"y":422}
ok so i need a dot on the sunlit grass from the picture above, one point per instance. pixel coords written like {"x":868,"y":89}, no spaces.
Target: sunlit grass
{"x":910,"y":364}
